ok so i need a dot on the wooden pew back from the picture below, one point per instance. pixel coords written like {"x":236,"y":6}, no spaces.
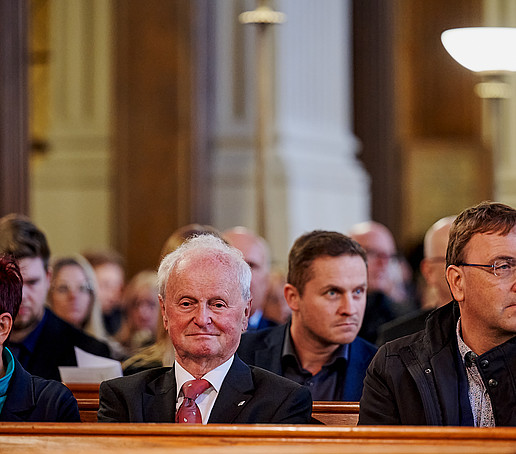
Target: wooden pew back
{"x":46,"y":438}
{"x":87,"y":395}
{"x":336,"y":413}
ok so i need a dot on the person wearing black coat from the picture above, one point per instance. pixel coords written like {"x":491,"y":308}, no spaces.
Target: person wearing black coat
{"x":461,"y":369}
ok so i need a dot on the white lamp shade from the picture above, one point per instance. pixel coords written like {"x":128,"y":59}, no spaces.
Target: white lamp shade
{"x":482,"y":48}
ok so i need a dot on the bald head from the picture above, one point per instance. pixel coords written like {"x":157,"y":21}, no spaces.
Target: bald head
{"x":256,"y":254}
{"x":436,"y":238}
{"x":433,"y":266}
{"x":380,"y":246}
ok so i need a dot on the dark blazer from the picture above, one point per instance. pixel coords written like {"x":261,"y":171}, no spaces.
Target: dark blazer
{"x":248,"y":395}
{"x":55,"y":347}
{"x":34,"y":399}
{"x":264,"y":349}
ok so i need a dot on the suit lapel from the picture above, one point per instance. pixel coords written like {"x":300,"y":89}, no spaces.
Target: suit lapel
{"x":236,"y":391}
{"x":159,"y":400}
{"x":270,"y":357}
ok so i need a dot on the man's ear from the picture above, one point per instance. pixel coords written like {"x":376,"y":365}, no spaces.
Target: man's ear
{"x":291,"y":296}
{"x":247,"y":313}
{"x":163,"y":312}
{"x":6,"y":323}
{"x":455,"y":278}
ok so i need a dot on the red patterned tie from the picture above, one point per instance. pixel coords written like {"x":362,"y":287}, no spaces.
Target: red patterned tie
{"x":189,"y":412}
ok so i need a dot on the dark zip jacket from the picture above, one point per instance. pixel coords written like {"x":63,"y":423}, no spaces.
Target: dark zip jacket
{"x":421,"y":380}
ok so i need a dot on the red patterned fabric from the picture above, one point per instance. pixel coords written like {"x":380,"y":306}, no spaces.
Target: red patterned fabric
{"x":188,"y":412}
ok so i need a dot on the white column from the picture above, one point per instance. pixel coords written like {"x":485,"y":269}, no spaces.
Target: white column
{"x":71,"y":193}
{"x":502,"y":13}
{"x":314,"y":178}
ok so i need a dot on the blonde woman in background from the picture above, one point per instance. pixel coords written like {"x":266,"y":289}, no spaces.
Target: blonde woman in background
{"x":161,"y":353}
{"x":73,"y":295}
{"x":142,"y":313}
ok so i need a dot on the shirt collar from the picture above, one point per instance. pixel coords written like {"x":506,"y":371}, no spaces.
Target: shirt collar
{"x":8,"y":359}
{"x":215,"y":376}
{"x":466,"y":354}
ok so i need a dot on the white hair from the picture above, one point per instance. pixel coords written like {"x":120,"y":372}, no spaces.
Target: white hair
{"x":208,"y":245}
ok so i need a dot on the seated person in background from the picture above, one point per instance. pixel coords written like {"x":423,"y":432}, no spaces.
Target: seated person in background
{"x":161,"y":353}
{"x":378,"y":242}
{"x":276,"y":307}
{"x":205,"y":300}
{"x":142,"y":313}
{"x":326,"y":291}
{"x":24,"y":397}
{"x":109,"y":271}
{"x":256,"y":254}
{"x":39,"y":340}
{"x":460,"y":370}
{"x":73,"y":295}
{"x":437,"y":292}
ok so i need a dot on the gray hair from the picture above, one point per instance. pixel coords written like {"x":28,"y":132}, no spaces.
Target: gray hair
{"x":209,"y":245}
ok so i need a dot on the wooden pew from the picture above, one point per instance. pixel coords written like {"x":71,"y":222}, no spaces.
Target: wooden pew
{"x":84,"y":390}
{"x":88,"y":409}
{"x":100,"y":438}
{"x":87,"y":395}
{"x":336,"y":413}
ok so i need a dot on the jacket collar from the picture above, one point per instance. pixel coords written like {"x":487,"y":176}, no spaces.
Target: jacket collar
{"x":269,"y":357}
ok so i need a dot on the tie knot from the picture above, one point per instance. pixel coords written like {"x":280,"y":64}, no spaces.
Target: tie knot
{"x":194,"y":388}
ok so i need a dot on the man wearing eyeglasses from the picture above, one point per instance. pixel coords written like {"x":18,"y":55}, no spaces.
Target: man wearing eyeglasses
{"x":379,"y":244}
{"x":461,"y":369}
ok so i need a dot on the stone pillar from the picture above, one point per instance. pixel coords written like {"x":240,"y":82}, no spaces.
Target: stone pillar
{"x":502,"y":13}
{"x":314,"y":180}
{"x":14,"y":143}
{"x":71,"y":193}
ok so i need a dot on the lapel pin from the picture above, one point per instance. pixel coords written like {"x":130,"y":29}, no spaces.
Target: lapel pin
{"x":241,"y":403}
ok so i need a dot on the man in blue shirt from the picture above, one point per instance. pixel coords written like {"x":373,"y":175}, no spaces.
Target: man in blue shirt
{"x":24,"y":397}
{"x":319,"y":348}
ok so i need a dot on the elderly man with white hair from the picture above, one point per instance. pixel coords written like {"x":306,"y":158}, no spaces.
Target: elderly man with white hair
{"x":205,"y":302}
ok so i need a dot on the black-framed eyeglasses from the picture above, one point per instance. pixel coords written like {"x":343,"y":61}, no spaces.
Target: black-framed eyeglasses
{"x":500,"y":268}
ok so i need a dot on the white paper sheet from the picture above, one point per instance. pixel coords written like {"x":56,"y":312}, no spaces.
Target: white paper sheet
{"x":90,"y":369}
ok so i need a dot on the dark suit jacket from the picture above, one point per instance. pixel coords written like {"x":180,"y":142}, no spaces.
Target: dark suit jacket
{"x":264,"y":349}
{"x":34,"y":399}
{"x":248,"y":395}
{"x":55,"y":347}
